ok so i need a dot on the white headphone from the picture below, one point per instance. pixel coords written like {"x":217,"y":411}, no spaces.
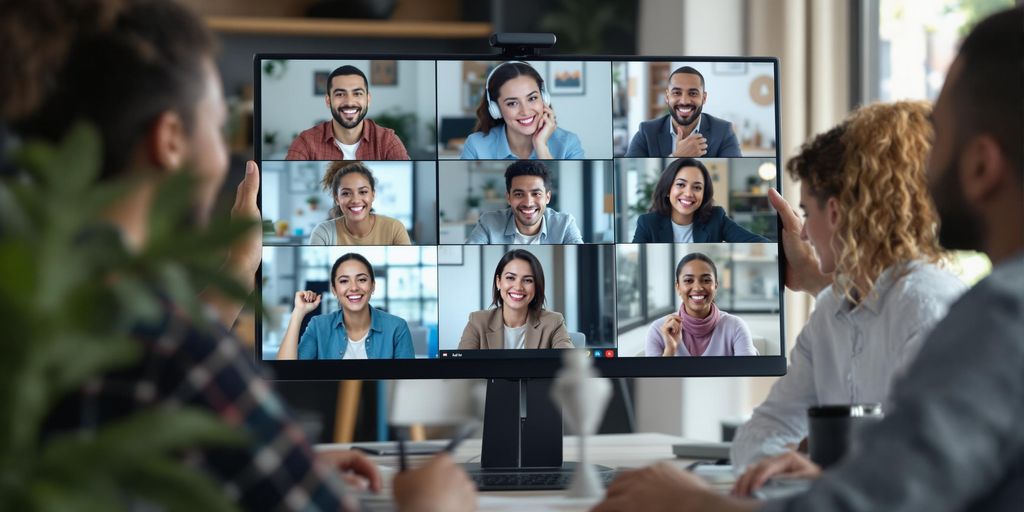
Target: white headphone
{"x":492,"y":106}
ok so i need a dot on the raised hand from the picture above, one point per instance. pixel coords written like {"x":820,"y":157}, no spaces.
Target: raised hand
{"x":306,"y":301}
{"x":545,"y":128}
{"x":672,"y":334}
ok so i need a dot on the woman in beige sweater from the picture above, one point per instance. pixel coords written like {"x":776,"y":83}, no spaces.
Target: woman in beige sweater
{"x":352,"y":220}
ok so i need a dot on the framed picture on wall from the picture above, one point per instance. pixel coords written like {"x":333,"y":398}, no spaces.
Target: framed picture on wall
{"x":384,"y":72}
{"x":320,"y":82}
{"x":566,"y":78}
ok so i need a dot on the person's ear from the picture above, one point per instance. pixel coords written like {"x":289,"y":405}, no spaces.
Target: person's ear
{"x":832,"y":212}
{"x":982,"y":168}
{"x":547,"y":196}
{"x":704,"y":97}
{"x":327,"y":101}
{"x":167,"y":141}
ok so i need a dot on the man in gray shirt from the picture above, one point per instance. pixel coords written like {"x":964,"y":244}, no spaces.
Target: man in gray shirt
{"x":527,"y":220}
{"x":954,"y":440}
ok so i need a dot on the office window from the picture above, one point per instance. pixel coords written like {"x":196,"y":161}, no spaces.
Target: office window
{"x":913,"y":46}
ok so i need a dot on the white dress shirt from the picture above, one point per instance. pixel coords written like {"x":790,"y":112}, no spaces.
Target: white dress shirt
{"x":848,"y":355}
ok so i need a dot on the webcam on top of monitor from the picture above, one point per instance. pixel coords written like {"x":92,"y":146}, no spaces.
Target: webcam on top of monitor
{"x":518,"y":45}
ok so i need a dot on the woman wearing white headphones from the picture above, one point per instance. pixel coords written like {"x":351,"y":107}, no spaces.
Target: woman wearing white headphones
{"x":515,"y":120}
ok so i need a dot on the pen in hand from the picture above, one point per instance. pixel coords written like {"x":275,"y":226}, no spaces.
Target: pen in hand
{"x":403,"y":464}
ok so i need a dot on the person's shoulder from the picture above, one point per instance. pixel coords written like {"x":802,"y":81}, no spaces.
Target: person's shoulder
{"x":384,"y":131}
{"x":715,"y":122}
{"x":390,"y":319}
{"x":390,"y":223}
{"x":653,"y":124}
{"x":313,"y":131}
{"x":927,"y":284}
{"x":731,"y":321}
{"x":550,"y":317}
{"x":717,"y":214}
{"x":656,"y":324}
{"x":649,"y":219}
{"x":494,"y":215}
{"x":481,"y":317}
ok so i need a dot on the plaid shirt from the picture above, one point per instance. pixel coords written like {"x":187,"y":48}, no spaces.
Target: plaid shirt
{"x":183,"y":366}
{"x":318,"y":143}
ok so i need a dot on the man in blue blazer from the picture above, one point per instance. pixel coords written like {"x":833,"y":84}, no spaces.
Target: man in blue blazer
{"x":685,"y":131}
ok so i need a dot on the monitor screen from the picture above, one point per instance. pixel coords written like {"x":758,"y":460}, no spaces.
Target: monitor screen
{"x":471,"y":218}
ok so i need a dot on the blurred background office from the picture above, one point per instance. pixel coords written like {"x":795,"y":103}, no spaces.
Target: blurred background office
{"x":748,"y":287}
{"x":741,"y":189}
{"x":742,"y":93}
{"x":580,"y":95}
{"x":294,"y":202}
{"x":401,"y":98}
{"x":579,"y":280}
{"x":834,"y":56}
{"x":582,"y":188}
{"x":406,"y":286}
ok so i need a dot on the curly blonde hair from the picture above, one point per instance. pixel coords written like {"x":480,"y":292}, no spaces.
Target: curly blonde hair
{"x":886,"y":217}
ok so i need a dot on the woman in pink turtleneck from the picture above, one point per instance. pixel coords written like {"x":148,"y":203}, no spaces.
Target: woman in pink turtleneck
{"x":699,"y":328}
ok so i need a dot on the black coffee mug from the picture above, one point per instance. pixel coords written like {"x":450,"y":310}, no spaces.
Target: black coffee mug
{"x":831,"y":429}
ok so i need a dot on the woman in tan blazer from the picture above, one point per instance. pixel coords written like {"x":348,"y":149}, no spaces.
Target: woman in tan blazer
{"x":518,"y":319}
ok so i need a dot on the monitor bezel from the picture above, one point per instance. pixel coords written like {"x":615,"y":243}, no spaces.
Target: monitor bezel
{"x":534,"y":368}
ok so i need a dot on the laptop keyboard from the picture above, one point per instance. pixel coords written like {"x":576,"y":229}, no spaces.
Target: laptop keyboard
{"x":530,"y":481}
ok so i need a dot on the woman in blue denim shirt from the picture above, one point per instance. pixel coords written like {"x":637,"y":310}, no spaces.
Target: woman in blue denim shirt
{"x":356,"y":331}
{"x":515,"y":119}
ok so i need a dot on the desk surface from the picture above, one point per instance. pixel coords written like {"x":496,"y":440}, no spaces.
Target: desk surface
{"x":620,"y":451}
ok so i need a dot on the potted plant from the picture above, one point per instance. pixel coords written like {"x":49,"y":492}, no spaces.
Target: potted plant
{"x":491,"y":189}
{"x":313,"y":202}
{"x":472,"y":208}
{"x":72,"y":293}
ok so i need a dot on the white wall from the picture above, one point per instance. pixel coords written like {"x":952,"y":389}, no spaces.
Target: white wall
{"x":672,"y":27}
{"x":587,"y":115}
{"x":289,"y":105}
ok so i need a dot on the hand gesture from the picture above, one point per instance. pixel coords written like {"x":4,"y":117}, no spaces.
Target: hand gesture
{"x":440,"y":485}
{"x":672,"y":334}
{"x":545,"y":127}
{"x":246,"y":253}
{"x":792,"y":464}
{"x":802,"y":274}
{"x":306,"y":301}
{"x":693,"y":145}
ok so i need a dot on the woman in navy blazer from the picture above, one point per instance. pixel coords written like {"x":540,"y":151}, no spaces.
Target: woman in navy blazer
{"x":683,"y":210}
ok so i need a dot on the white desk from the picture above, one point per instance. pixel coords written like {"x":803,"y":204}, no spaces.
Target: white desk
{"x":615,"y":450}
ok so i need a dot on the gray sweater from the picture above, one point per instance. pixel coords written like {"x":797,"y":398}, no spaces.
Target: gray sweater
{"x":955,"y":438}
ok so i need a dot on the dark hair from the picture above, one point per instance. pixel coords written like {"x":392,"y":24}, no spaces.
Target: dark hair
{"x":696,"y":256}
{"x":537,"y":303}
{"x":332,"y":180}
{"x":820,"y":164}
{"x":348,"y":257}
{"x":148,"y":61}
{"x":503,"y":73}
{"x":991,"y":76}
{"x":37,"y":36}
{"x":689,"y":71}
{"x":659,"y":199}
{"x":345,"y":71}
{"x":527,"y":168}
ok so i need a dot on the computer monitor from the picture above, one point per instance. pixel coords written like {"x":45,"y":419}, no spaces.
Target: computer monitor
{"x":507,"y":210}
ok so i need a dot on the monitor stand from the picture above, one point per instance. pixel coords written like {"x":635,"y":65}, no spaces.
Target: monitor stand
{"x":522,"y":439}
